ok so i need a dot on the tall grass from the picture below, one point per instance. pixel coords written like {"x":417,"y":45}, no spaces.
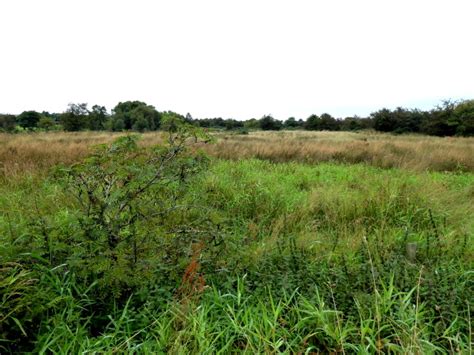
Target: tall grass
{"x":304,"y":258}
{"x":418,"y":153}
{"x":37,"y":152}
{"x":237,"y":321}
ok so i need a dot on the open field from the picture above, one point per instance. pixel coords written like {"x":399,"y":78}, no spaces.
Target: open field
{"x":412,"y":152}
{"x":287,"y":242}
{"x":32,"y":152}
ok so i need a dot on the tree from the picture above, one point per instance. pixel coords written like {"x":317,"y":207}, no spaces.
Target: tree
{"x":231,"y":124}
{"x":46,"y":123}
{"x":166,"y":115}
{"x":410,"y":120}
{"x":145,"y":118}
{"x":131,"y":201}
{"x":75,"y":118}
{"x":129,"y":112}
{"x":268,"y":123}
{"x":123,"y":110}
{"x":441,"y":120}
{"x":7,"y":123}
{"x":97,"y":118}
{"x":464,"y":113}
{"x":328,"y":123}
{"x":29,"y":119}
{"x":351,"y":124}
{"x":118,"y":125}
{"x":188,"y":118}
{"x":252,"y":123}
{"x":313,"y":123}
{"x":291,"y":123}
{"x":384,"y":120}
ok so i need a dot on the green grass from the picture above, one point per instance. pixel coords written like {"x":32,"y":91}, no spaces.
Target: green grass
{"x":304,"y":258}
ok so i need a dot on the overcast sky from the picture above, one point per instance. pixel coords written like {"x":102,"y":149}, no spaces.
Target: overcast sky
{"x":239,"y":59}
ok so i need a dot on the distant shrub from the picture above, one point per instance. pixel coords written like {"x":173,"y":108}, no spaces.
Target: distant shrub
{"x":243,"y":131}
{"x":7,"y":123}
{"x":46,"y":123}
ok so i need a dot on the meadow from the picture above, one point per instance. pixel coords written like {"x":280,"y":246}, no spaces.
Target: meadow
{"x":267,"y":242}
{"x":26,"y":153}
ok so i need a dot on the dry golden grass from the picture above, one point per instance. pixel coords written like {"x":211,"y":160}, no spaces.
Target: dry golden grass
{"x":30,"y":153}
{"x":412,"y":152}
{"x":35,"y":153}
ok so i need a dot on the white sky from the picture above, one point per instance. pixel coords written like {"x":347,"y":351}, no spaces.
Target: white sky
{"x":237,"y":59}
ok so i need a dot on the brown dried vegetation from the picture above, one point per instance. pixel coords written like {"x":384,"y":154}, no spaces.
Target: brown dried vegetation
{"x":412,"y":152}
{"x":35,"y":153}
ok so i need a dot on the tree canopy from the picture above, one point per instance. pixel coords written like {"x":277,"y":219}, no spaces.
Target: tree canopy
{"x":447,"y":119}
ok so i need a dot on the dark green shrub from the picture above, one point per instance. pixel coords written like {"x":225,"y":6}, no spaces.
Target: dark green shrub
{"x":7,"y":123}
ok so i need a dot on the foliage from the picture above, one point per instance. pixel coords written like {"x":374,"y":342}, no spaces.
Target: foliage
{"x":28,"y":119}
{"x":251,"y":124}
{"x":312,"y":123}
{"x":448,"y":119}
{"x":383,"y":120}
{"x":355,"y":124}
{"x":268,"y":123}
{"x":292,"y":123}
{"x":128,"y":200}
{"x":464,"y":113}
{"x":75,"y":118}
{"x":7,"y":123}
{"x":46,"y":123}
{"x":97,"y":118}
{"x":328,"y":123}
{"x":135,"y":115}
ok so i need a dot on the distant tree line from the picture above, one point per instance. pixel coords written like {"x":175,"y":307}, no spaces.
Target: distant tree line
{"x":448,"y":119}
